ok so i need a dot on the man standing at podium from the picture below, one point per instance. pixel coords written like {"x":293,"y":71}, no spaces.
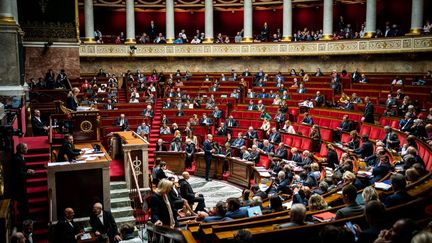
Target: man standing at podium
{"x":208,"y":151}
{"x":67,"y":151}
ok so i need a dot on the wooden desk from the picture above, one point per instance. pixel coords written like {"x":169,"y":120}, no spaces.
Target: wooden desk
{"x":240,"y":171}
{"x":216,"y":168}
{"x":92,"y":239}
{"x":137,"y":148}
{"x":69,"y":183}
{"x":175,"y":160}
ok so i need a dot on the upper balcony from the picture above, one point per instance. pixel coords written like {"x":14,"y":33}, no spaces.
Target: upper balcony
{"x":407,"y":44}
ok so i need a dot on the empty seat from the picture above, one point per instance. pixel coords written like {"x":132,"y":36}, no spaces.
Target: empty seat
{"x":297,"y":142}
{"x":306,"y":144}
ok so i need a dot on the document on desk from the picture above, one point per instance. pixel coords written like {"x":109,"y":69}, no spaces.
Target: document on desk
{"x":86,"y":236}
{"x":85,"y":156}
{"x":90,"y":158}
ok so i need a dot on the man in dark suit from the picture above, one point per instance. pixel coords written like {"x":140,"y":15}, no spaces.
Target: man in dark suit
{"x":67,"y":231}
{"x":280,"y":118}
{"x":251,"y":133}
{"x":348,"y":106}
{"x":176,"y":145}
{"x":281,"y":152}
{"x":399,"y":196}
{"x":208,"y":151}
{"x":168,"y":104}
{"x":391,"y":140}
{"x":221,"y":130}
{"x":153,"y":31}
{"x":239,"y":141}
{"x":368,"y":115}
{"x":122,"y":122}
{"x":148,"y":112}
{"x":19,"y":174}
{"x":251,"y":106}
{"x":345,"y":125}
{"x":267,"y":147}
{"x":103,"y":224}
{"x":366,"y":149}
{"x":109,"y":105}
{"x":187,"y":193}
{"x":38,"y":125}
{"x":231,"y":122}
{"x":355,"y":76}
{"x":319,"y":99}
{"x":246,"y":73}
{"x":274,"y":136}
{"x":206,"y":121}
{"x":67,"y":151}
{"x":160,"y":146}
{"x":349,"y":195}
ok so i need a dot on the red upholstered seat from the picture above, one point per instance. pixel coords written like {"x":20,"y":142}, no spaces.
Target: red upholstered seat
{"x":365,"y":129}
{"x":288,"y":140}
{"x":264,"y":161}
{"x":394,"y":124}
{"x":323,"y":151}
{"x":375,"y":133}
{"x":304,"y":130}
{"x":306,"y":144}
{"x":326,"y":135}
{"x":334,"y":124}
{"x":297,"y":142}
{"x":324,"y":122}
{"x":345,"y":137}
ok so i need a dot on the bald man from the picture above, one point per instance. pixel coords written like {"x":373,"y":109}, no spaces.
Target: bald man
{"x":103,"y":224}
{"x":187,"y":193}
{"x":67,"y":231}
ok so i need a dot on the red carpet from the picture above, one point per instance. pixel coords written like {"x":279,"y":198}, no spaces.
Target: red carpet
{"x":117,"y":170}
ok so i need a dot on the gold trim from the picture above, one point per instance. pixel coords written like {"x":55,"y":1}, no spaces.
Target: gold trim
{"x":369,"y":35}
{"x":286,"y":38}
{"x":326,"y":37}
{"x":7,"y":20}
{"x":208,"y":40}
{"x":416,"y":31}
{"x":130,"y":41}
{"x":169,"y":40}
{"x":89,"y":40}
{"x":247,"y":40}
{"x":77,"y":21}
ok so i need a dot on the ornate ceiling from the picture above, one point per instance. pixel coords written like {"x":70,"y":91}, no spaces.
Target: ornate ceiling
{"x":217,"y":3}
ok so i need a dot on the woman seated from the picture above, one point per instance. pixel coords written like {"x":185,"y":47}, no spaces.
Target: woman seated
{"x":317,"y":203}
{"x":344,"y":97}
{"x":354,"y":142}
{"x":266,"y":126}
{"x":277,"y":100}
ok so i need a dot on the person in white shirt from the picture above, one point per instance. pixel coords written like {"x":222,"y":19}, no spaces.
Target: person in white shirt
{"x":127,"y":234}
{"x":307,"y":103}
{"x":195,"y":40}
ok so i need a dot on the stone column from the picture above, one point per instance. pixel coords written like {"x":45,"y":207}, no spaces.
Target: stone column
{"x":89,"y":22}
{"x":328,"y":20}
{"x":208,"y":21}
{"x":370,"y":27}
{"x":169,"y":21}
{"x":6,"y":12}
{"x":15,"y":10}
{"x":130,"y":22}
{"x":416,"y":17}
{"x":247,"y":22}
{"x":287,"y":20}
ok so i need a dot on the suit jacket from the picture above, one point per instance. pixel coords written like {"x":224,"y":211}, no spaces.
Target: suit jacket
{"x":109,"y":106}
{"x":125,"y":123}
{"x":275,"y":137}
{"x":251,"y":135}
{"x":175,"y":199}
{"x":379,"y":171}
{"x":206,"y":121}
{"x":207,"y":147}
{"x":19,"y":177}
{"x":148,"y":113}
{"x":65,"y":231}
{"x":345,"y":126}
{"x":319,"y":100}
{"x":108,"y":227}
{"x":186,"y":191}
{"x":175,"y":147}
{"x":296,"y":157}
{"x":217,"y":114}
{"x":221,"y":131}
{"x":268,"y":149}
{"x":67,"y":152}
{"x":332,"y":158}
{"x":369,"y":113}
{"x":160,"y":147}
{"x":307,"y":120}
{"x":231,"y":123}
{"x":238,"y":142}
{"x":159,"y":210}
{"x":281,"y":153}
{"x":71,"y":104}
{"x":396,"y":199}
{"x":350,"y":210}
{"x":394,"y":140}
{"x":280,"y":118}
{"x":252,"y":108}
{"x":38,"y":127}
{"x":365,"y":150}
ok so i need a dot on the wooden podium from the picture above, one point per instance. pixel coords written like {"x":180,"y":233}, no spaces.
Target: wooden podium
{"x":79,"y":184}
{"x":175,"y":160}
{"x":216,"y":168}
{"x":135,"y":148}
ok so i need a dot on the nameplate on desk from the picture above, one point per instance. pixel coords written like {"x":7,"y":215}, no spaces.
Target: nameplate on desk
{"x":65,"y":163}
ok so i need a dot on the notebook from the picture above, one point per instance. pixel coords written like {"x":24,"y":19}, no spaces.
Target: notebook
{"x":324,"y":217}
{"x":254,"y":211}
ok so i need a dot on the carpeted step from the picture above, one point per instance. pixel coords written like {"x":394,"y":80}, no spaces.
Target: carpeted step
{"x":36,"y":164}
{"x":36,"y":157}
{"x":37,"y":189}
{"x":38,"y":200}
{"x":38,"y":181}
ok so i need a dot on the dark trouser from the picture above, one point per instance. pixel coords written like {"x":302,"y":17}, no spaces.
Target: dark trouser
{"x":208,"y":165}
{"x":200,"y":201}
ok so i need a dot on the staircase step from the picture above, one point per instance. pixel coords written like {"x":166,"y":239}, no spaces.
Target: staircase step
{"x":36,"y":157}
{"x":37,"y":189}
{"x":122,"y":212}
{"x":120,"y":202}
{"x":36,"y":164}
{"x":38,"y":210}
{"x":118,"y":185}
{"x":117,"y":193}
{"x":38,"y":200}
{"x":38,"y":181}
{"x":123,"y":220}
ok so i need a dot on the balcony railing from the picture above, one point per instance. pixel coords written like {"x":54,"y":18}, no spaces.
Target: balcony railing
{"x":317,"y":48}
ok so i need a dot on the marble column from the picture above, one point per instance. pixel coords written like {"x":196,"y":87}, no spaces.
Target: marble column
{"x":15,"y":10}
{"x":6,"y":12}
{"x":130,"y":22}
{"x":208,"y":21}
{"x":169,"y":21}
{"x":370,"y":27}
{"x":89,"y":22}
{"x":287,"y":20}
{"x":328,"y":20}
{"x":247,"y":21}
{"x":416,"y":17}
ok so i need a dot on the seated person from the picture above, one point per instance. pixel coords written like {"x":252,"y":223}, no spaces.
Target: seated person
{"x":275,"y":136}
{"x":176,"y":145}
{"x":251,"y":133}
{"x":281,"y":151}
{"x":143,"y":130}
{"x":148,"y":112}
{"x":38,"y":125}
{"x":399,"y":196}
{"x":296,"y":156}
{"x":254,"y":154}
{"x":260,"y":106}
{"x":366,"y":149}
{"x":245,"y":155}
{"x":217,"y":114}
{"x":307,"y":103}
{"x":217,"y":214}
{"x":239,"y":141}
{"x":233,"y":209}
{"x":297,"y":217}
{"x":307,"y":119}
{"x":349,"y":195}
{"x":267,"y":147}
{"x":251,"y":106}
{"x":221,"y":130}
{"x":160,"y":146}
{"x":165,"y":129}
{"x":122,"y":122}
{"x":188,"y":193}
{"x":231,"y":122}
{"x":67,"y":151}
{"x":381,"y":169}
{"x":391,"y":140}
{"x":206,"y":121}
